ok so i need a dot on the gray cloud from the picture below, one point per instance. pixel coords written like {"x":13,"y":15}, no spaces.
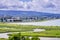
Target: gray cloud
{"x":52,"y":6}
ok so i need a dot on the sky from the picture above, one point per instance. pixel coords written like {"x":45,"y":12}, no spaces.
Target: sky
{"x":51,"y":6}
{"x":25,"y":0}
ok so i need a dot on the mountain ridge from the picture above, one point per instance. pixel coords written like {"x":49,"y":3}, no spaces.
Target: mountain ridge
{"x":26,"y":13}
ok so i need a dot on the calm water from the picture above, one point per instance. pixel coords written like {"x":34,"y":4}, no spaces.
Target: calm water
{"x":46,"y":38}
{"x":44,"y":23}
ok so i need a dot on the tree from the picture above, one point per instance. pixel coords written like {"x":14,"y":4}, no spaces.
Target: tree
{"x":15,"y":36}
{"x":27,"y":38}
{"x":35,"y":38}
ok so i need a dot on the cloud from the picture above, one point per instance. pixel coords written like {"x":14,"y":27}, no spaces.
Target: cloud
{"x":52,"y":6}
{"x":25,"y":0}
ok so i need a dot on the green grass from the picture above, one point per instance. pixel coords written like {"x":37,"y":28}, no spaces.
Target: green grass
{"x":3,"y":39}
{"x":51,"y":31}
{"x":5,"y":27}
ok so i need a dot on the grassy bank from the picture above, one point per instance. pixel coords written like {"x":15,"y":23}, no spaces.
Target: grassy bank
{"x":3,"y":39}
{"x":5,"y":27}
{"x":51,"y":31}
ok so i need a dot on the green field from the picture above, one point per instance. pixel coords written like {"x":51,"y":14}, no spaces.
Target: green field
{"x":5,"y":27}
{"x":51,"y":31}
{"x":3,"y":39}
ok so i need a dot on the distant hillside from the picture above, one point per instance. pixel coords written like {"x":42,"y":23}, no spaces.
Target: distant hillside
{"x":29,"y":14}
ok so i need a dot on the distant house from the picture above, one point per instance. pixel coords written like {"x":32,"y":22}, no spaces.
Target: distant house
{"x":17,"y":19}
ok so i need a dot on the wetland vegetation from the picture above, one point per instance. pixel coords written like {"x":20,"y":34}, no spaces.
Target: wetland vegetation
{"x":27,"y":30}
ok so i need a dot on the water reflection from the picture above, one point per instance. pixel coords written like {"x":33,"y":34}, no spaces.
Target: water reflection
{"x":43,"y":23}
{"x":46,"y":38}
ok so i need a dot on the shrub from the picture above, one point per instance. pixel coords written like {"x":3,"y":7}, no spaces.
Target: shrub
{"x":35,"y":38}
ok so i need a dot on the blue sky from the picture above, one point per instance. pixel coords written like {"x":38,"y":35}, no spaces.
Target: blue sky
{"x":25,"y":0}
{"x":52,"y":6}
